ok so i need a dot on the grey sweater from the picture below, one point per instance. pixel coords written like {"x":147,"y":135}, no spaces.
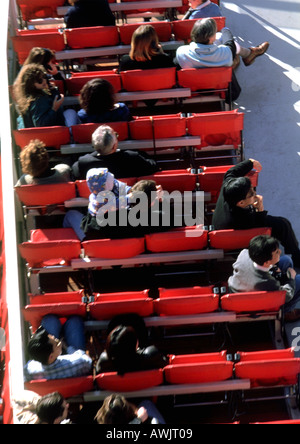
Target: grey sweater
{"x":246,"y":277}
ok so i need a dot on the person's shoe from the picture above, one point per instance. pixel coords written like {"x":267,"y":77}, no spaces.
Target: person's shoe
{"x":292,"y":316}
{"x":256,"y":51}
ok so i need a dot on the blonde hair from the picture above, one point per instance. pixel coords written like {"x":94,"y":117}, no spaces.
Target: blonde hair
{"x":144,"y":44}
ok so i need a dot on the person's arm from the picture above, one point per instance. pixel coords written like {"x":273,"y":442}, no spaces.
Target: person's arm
{"x":242,"y":169}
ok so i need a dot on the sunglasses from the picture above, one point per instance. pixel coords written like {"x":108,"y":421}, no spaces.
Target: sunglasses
{"x":41,"y":79}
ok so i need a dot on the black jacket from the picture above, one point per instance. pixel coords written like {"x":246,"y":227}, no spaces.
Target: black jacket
{"x":86,"y":13}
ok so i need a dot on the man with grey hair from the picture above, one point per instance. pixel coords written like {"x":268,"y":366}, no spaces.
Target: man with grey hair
{"x":122,"y":164}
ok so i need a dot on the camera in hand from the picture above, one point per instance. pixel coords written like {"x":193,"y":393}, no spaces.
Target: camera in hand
{"x":282,"y":277}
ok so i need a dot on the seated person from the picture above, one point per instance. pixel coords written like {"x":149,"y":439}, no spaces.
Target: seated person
{"x":86,"y":13}
{"x":52,"y":409}
{"x":117,"y":410}
{"x":260,"y":268}
{"x":122,"y":164}
{"x":34,"y":160}
{"x":146,"y":51}
{"x":97,"y":100}
{"x":202,"y":9}
{"x":45,"y":349}
{"x":203,"y":52}
{"x":24,"y":407}
{"x":123,"y":354}
{"x":240,"y":208}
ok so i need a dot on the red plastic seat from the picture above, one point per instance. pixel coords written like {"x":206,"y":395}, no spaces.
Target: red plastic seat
{"x":174,"y":180}
{"x":66,"y":387}
{"x":159,"y":127}
{"x":130,"y":382}
{"x":163,"y":29}
{"x":114,"y":248}
{"x":199,"y":368}
{"x":176,"y":240}
{"x":82,"y":133}
{"x":58,"y":245}
{"x":52,"y":136}
{"x":26,"y":40}
{"x":149,"y":80}
{"x":41,"y":195}
{"x":268,"y":368}
{"x":253,"y":301}
{"x":211,"y":178}
{"x":34,"y":9}
{"x":182,"y":28}
{"x":211,"y":79}
{"x":35,"y":313}
{"x":186,"y":301}
{"x":235,"y":239}
{"x":84,"y":191}
{"x":92,"y":37}
{"x":106,"y":306}
{"x":78,"y":79}
{"x":56,"y":298}
{"x":217,"y":128}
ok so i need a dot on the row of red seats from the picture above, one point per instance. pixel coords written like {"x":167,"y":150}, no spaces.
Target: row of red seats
{"x":214,"y":129}
{"x":98,"y":36}
{"x":61,"y":245}
{"x":171,"y":302}
{"x":268,"y":368}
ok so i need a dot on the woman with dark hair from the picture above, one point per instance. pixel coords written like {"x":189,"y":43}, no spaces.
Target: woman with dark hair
{"x":97,"y":100}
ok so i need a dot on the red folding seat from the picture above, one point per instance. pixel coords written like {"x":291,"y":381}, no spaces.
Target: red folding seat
{"x":268,"y":368}
{"x":174,"y":180}
{"x":253,"y":301}
{"x":211,"y":178}
{"x":34,"y":9}
{"x":235,"y":239}
{"x":180,"y":239}
{"x":83,"y":132}
{"x":26,"y":40}
{"x":149,"y":79}
{"x":114,"y":248}
{"x":43,"y":195}
{"x":106,"y":306}
{"x":84,"y":191}
{"x":163,"y":29}
{"x":217,"y":128}
{"x":78,"y":79}
{"x":158,"y":127}
{"x":92,"y":37}
{"x":205,"y":79}
{"x":50,"y":246}
{"x":56,"y":298}
{"x":67,"y":387}
{"x":35,"y":313}
{"x":186,"y":301}
{"x":199,"y":368}
{"x":52,"y":136}
{"x":182,"y":28}
{"x":130,"y":382}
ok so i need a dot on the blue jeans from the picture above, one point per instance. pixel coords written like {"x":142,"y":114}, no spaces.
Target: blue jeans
{"x":72,"y":330}
{"x":73,"y":220}
{"x":284,"y":264}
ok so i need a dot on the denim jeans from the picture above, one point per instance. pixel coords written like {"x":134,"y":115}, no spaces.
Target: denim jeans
{"x":72,"y":330}
{"x":73,"y":220}
{"x":284,"y":264}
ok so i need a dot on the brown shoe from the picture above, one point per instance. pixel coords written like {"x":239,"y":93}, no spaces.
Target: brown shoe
{"x":256,"y":52}
{"x":292,"y":316}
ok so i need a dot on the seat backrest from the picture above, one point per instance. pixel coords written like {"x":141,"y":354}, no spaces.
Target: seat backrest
{"x":34,"y":9}
{"x":159,"y":127}
{"x":42,"y":195}
{"x":181,"y":180}
{"x":56,"y":298}
{"x":52,"y":136}
{"x":83,"y":132}
{"x":77,"y":80}
{"x":186,"y":305}
{"x":211,"y":178}
{"x":114,"y":248}
{"x":130,"y":382}
{"x":177,"y":240}
{"x":217,"y":128}
{"x":212,"y":79}
{"x":67,"y":387}
{"x":163,"y":29}
{"x":92,"y":37}
{"x":253,"y":301}
{"x":149,"y":80}
{"x":235,"y":239}
{"x":84,"y":191}
{"x":24,"y":42}
{"x":182,"y":28}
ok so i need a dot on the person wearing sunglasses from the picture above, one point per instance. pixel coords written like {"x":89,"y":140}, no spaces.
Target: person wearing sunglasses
{"x":37,"y":105}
